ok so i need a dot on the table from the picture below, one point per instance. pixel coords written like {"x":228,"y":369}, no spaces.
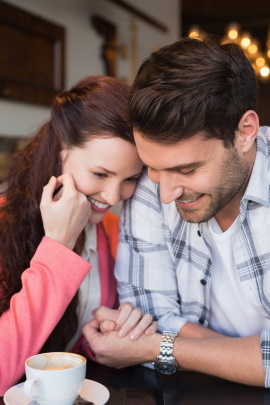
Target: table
{"x":139,"y":385}
{"x":142,"y":386}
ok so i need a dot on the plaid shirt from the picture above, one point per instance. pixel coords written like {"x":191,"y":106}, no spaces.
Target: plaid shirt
{"x":164,"y":263}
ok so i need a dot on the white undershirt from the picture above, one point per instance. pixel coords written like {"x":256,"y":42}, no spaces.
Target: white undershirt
{"x":230,"y":311}
{"x":89,"y":292}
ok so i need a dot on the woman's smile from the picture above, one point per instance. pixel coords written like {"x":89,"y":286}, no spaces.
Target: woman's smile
{"x":98,"y":205}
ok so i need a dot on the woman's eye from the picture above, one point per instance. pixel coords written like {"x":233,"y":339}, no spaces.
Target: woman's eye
{"x":133,"y":179}
{"x":97,"y":174}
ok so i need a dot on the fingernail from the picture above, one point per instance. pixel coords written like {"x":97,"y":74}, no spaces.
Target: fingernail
{"x":133,"y":337}
{"x":121,"y":333}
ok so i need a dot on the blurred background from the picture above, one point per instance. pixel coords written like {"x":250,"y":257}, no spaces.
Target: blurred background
{"x":48,"y":45}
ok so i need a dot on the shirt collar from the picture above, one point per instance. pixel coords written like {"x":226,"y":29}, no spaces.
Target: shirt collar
{"x":257,"y":190}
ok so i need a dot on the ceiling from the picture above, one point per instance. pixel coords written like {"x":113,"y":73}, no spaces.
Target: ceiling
{"x":214,"y":15}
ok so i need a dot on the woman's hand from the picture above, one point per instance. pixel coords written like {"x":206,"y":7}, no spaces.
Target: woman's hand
{"x":65,"y":214}
{"x":126,"y":320}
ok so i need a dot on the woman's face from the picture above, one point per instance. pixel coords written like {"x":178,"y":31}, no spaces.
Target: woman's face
{"x":105,"y":169}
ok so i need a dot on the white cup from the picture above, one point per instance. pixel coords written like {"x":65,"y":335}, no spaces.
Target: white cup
{"x":54,"y":378}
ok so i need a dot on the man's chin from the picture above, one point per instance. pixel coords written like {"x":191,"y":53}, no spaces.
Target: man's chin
{"x":193,"y":217}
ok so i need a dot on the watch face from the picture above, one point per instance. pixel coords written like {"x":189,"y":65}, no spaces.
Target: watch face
{"x":165,"y":368}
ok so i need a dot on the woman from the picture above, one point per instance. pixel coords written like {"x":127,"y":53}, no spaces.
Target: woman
{"x":53,"y":227}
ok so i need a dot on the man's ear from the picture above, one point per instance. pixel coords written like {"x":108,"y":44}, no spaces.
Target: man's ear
{"x":248,"y":128}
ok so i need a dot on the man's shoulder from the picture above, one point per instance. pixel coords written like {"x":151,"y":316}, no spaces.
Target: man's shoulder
{"x":264,"y":135}
{"x":146,"y":182}
{"x":146,"y":191}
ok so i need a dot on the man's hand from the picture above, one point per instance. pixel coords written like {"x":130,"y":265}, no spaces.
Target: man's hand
{"x":118,"y":352}
{"x":65,"y":215}
{"x":126,"y":320}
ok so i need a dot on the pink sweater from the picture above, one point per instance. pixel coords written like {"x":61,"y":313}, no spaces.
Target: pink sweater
{"x":48,"y":285}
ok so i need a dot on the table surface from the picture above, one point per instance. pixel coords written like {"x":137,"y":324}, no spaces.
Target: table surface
{"x":142,"y":386}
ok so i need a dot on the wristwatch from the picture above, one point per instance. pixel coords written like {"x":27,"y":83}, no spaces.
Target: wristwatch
{"x":165,"y":362}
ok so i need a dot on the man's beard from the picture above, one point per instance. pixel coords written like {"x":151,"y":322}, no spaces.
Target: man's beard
{"x":233,"y":177}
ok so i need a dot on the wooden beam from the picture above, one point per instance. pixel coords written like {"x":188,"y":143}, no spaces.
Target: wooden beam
{"x":140,"y":15}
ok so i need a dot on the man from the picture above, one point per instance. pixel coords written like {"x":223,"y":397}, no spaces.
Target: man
{"x":194,"y":249}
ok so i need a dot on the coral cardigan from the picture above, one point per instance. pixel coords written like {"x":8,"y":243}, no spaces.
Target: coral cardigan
{"x":48,"y":285}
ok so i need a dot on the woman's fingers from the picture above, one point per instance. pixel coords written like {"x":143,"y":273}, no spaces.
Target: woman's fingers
{"x":152,"y":328}
{"x":66,"y":214}
{"x":107,"y":326}
{"x":127,"y":316}
{"x":48,"y":190}
{"x":135,"y":326}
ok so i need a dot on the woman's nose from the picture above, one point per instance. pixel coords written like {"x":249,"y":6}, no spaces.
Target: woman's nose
{"x":112,"y":195}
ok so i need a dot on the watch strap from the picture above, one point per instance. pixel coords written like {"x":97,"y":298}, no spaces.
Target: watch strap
{"x":166,"y":345}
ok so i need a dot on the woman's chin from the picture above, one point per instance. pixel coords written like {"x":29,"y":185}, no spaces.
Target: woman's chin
{"x":96,"y":217}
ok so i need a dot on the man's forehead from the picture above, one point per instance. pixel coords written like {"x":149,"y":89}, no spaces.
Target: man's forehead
{"x":186,"y":153}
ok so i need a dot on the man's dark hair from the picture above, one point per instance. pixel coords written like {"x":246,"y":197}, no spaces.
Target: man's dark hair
{"x":192,"y":86}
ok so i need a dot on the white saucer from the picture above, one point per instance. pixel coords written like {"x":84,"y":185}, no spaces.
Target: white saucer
{"x":91,"y":391}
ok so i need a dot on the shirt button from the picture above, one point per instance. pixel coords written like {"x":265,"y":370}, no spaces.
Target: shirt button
{"x":201,"y":321}
{"x":203,"y":282}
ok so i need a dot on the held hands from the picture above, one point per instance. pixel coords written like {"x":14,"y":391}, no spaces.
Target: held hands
{"x":65,"y":214}
{"x":122,"y":337}
{"x":126,"y":320}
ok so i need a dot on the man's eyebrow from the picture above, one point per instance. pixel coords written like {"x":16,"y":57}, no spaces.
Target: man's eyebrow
{"x":192,"y":165}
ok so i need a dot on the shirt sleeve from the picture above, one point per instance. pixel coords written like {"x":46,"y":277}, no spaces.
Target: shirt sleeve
{"x":265,"y":348}
{"x":145,"y":268}
{"x":48,"y":285}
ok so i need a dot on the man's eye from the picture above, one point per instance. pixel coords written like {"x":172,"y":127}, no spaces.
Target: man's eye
{"x":188,"y":173}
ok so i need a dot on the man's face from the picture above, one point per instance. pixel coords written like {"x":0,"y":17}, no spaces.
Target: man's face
{"x":203,"y":177}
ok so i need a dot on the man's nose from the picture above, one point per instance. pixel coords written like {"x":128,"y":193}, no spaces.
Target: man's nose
{"x":170,"y":189}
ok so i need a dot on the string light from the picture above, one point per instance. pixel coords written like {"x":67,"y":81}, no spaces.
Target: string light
{"x":259,"y":60}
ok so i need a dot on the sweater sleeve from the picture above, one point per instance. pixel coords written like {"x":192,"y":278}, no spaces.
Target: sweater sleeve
{"x":48,"y":285}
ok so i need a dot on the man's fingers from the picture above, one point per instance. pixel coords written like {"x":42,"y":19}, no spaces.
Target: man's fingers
{"x":90,"y":330}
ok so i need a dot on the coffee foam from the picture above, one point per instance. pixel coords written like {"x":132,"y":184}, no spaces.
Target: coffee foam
{"x":55,"y":361}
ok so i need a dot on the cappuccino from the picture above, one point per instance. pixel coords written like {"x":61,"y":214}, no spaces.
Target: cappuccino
{"x":54,"y":378}
{"x":57,"y":368}
{"x":55,"y":361}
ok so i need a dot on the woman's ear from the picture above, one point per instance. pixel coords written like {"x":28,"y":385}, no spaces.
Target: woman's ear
{"x":63,"y":154}
{"x":248,"y":128}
